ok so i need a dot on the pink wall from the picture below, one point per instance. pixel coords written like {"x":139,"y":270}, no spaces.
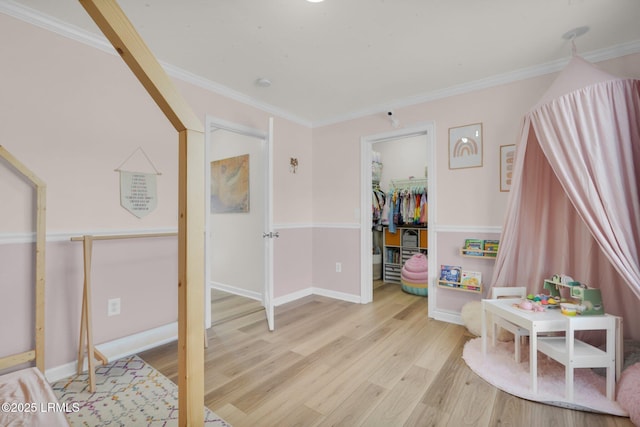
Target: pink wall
{"x":293,"y":263}
{"x":332,"y":245}
{"x":64,"y":117}
{"x":449,"y":245}
{"x":466,"y":198}
{"x":72,"y":114}
{"x":141,"y":273}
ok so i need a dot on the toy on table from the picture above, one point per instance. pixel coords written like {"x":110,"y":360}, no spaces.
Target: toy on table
{"x":544,"y":299}
{"x":588,"y":300}
{"x":529,"y":305}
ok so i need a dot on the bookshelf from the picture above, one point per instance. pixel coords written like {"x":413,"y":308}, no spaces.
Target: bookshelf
{"x":454,"y":277}
{"x":477,"y":248}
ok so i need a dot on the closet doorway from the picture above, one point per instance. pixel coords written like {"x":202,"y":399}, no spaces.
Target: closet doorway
{"x":419,"y":146}
{"x":239,"y":246}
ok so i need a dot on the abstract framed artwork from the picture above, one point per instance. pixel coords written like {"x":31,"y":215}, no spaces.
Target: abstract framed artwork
{"x":230,"y":185}
{"x":465,"y":146}
{"x":507,"y":161}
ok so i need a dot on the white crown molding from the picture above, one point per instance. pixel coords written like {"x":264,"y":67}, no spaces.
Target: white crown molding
{"x":497,"y":80}
{"x":232,"y":94}
{"x":47,"y":22}
{"x":55,"y":25}
{"x":62,"y":28}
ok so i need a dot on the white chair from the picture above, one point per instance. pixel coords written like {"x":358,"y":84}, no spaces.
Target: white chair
{"x":518,"y":332}
{"x":573,"y":353}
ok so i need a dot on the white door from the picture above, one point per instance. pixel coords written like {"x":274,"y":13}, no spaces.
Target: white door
{"x":239,"y":241}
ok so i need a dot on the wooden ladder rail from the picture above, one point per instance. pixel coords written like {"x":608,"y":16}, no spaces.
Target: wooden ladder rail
{"x":86,"y":327}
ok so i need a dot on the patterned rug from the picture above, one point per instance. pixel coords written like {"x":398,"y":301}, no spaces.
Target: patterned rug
{"x":129,"y":392}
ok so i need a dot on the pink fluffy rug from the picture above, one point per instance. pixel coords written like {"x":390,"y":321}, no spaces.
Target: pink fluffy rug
{"x":629,"y":392}
{"x":501,"y":370}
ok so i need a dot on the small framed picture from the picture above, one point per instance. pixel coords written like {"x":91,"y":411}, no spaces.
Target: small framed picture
{"x":465,"y":146}
{"x":507,"y":161}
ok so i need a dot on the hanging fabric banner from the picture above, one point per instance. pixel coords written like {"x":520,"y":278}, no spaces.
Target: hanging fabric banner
{"x":138,"y":192}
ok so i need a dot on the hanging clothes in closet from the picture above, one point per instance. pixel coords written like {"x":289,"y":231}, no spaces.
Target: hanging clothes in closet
{"x":408,"y":206}
{"x":378,"y":205}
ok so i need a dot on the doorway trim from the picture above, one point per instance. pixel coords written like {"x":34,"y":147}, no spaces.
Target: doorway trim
{"x":211,"y":124}
{"x":366,"y":257}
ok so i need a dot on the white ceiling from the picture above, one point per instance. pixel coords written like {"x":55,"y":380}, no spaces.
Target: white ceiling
{"x":343,"y":58}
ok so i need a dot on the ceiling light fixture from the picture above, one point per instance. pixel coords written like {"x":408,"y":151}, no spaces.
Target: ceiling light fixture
{"x":263,"y":82}
{"x":315,"y":1}
{"x":575,"y":33}
{"x":572,"y":35}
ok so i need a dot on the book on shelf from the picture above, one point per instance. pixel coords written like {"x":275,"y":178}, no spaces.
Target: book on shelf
{"x":470,"y":244}
{"x":450,"y":273}
{"x":471,"y":280}
{"x":492,"y":246}
{"x":448,"y":284}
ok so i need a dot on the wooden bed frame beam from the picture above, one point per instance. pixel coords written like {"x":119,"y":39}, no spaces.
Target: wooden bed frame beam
{"x":17,"y":359}
{"x":120,"y":32}
{"x":117,"y":28}
{"x":41,"y":240}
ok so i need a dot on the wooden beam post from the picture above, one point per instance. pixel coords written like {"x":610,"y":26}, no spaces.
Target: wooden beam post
{"x":116,"y":27}
{"x":191,"y":277}
{"x":41,"y":242}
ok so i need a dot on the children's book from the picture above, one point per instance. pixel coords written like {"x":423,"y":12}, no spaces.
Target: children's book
{"x":474,"y":244}
{"x":471,"y":280}
{"x":450,"y":273}
{"x":491,"y":245}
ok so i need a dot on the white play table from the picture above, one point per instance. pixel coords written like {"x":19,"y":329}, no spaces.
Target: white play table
{"x":550,"y":320}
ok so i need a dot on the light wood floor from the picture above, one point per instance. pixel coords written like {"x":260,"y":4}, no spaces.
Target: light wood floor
{"x":333,"y":363}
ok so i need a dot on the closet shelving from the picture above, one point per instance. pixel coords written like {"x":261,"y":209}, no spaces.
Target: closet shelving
{"x":399,"y":247}
{"x":410,"y":236}
{"x":409,"y":183}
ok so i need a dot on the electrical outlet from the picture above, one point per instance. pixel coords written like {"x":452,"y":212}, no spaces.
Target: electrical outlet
{"x":113,"y":307}
{"x":338,"y":267}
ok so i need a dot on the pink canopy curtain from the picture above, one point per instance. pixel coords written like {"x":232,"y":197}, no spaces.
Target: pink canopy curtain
{"x":574,"y":206}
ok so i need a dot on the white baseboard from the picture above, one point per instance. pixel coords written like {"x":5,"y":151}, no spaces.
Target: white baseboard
{"x":316,"y":291}
{"x":289,"y":297}
{"x":292,"y":296}
{"x":447,"y":316}
{"x":236,"y":291}
{"x":121,"y":347}
{"x":337,"y":295}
